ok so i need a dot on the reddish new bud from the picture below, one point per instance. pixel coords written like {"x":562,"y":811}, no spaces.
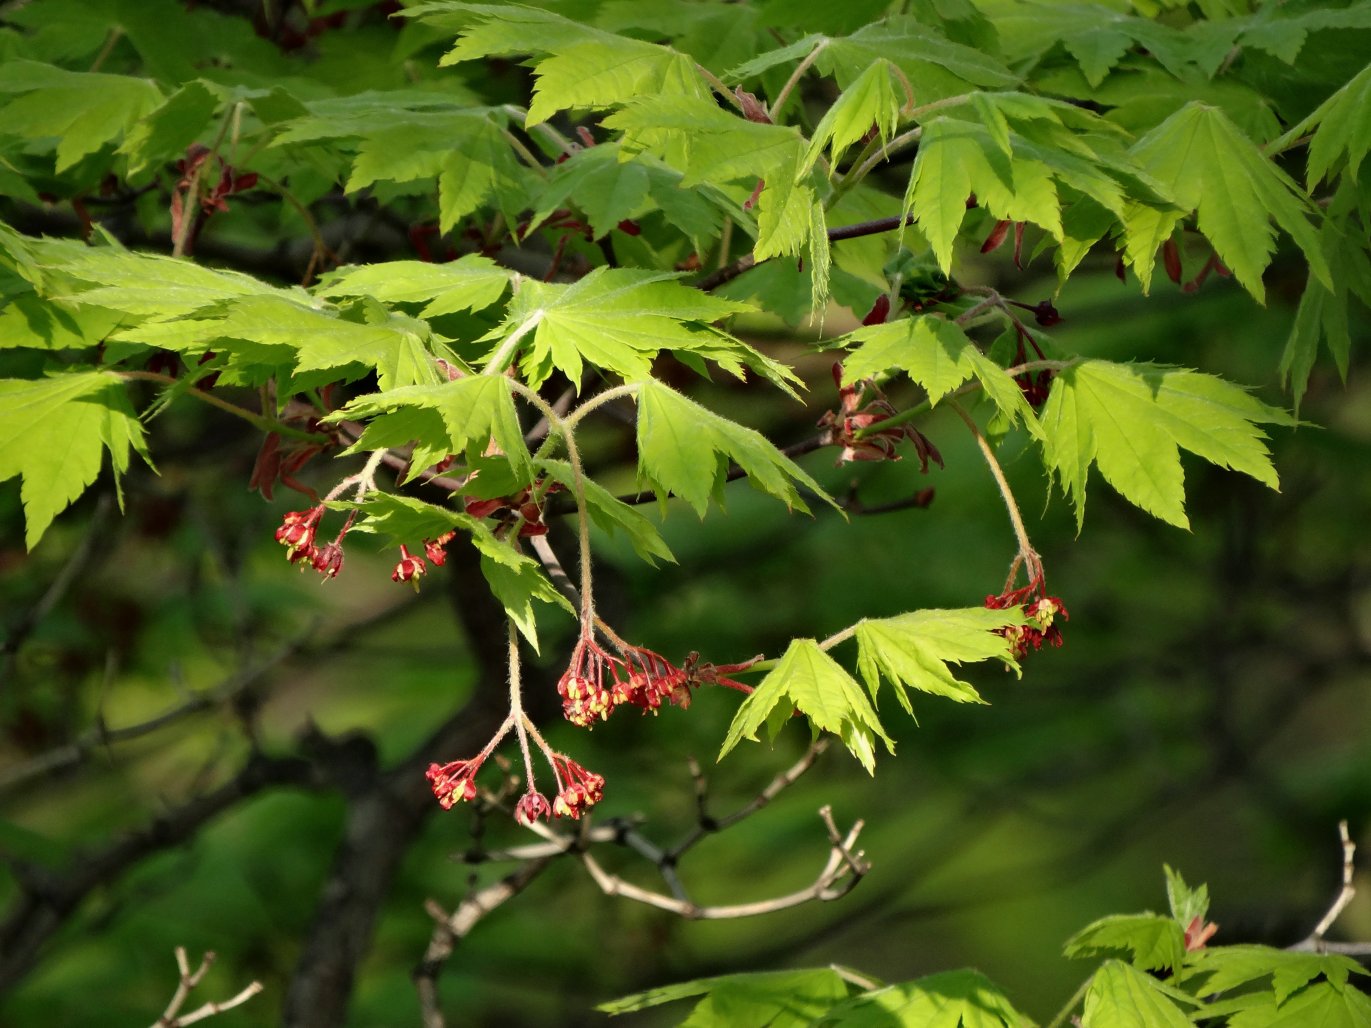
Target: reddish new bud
{"x":328,"y":559}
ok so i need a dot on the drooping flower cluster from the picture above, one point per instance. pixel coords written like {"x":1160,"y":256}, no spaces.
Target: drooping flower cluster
{"x":596,"y":682}
{"x":411,"y":567}
{"x":577,"y":789}
{"x":454,"y":781}
{"x":297,"y":532}
{"x":1040,"y":609}
{"x":853,"y":426}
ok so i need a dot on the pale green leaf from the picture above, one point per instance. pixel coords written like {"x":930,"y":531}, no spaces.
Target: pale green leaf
{"x":872,"y":101}
{"x":471,"y":283}
{"x":595,"y":74}
{"x":684,"y":449}
{"x":1186,"y":903}
{"x":1152,"y":943}
{"x":808,"y":680}
{"x":1131,"y":420}
{"x":1207,"y":165}
{"x":912,"y":651}
{"x":1227,"y":967}
{"x":808,"y":992}
{"x":175,"y":125}
{"x":1122,"y":997}
{"x":53,"y":434}
{"x":944,"y":1000}
{"x":1322,"y":1004}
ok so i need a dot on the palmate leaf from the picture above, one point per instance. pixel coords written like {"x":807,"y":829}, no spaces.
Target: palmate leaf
{"x":808,"y":680}
{"x":1322,"y":1004}
{"x":82,"y":111}
{"x":950,"y":998}
{"x":1132,"y":420}
{"x":618,"y":320}
{"x":474,"y":410}
{"x":912,"y":651}
{"x":1227,"y":967}
{"x":471,"y":283}
{"x":873,"y":100}
{"x":939,"y":356}
{"x":1122,"y":997}
{"x":515,"y":579}
{"x":1207,"y":165}
{"x":53,"y":434}
{"x":314,"y":338}
{"x":684,"y":450}
{"x":773,"y":998}
{"x":1153,"y":943}
{"x":1342,"y":130}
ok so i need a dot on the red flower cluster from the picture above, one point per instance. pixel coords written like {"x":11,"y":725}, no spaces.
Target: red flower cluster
{"x":852,"y":418}
{"x":1041,"y":610}
{"x":412,"y":567}
{"x":577,"y":789}
{"x":297,"y":533}
{"x":596,"y":682}
{"x":454,"y":781}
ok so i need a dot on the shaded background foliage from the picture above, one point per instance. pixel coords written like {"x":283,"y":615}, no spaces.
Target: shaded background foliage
{"x":1209,"y":710}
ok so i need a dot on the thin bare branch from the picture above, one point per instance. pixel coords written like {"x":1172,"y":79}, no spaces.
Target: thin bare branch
{"x":172,"y":1018}
{"x":1314,"y":942}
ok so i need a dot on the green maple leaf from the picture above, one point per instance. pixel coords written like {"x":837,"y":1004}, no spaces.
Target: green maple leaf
{"x":1122,"y":997}
{"x":618,"y":319}
{"x":596,"y":74}
{"x":313,"y":335}
{"x":939,"y":356}
{"x":1322,"y":1004}
{"x":1132,"y":420}
{"x":1227,"y":967}
{"x":612,"y":514}
{"x":684,"y":450}
{"x":471,"y":283}
{"x":516,"y":580}
{"x":1153,"y":943}
{"x":873,"y":100}
{"x":912,"y":651}
{"x":950,"y":998}
{"x":83,"y":111}
{"x":1341,"y":127}
{"x":934,"y":66}
{"x":808,"y":680}
{"x":29,"y":321}
{"x":53,"y":434}
{"x":474,"y":410}
{"x":1208,"y":165}
{"x":756,"y":998}
{"x":166,"y":132}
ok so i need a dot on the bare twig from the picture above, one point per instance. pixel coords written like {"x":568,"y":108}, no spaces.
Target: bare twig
{"x":843,"y":870}
{"x":1315,"y":941}
{"x":171,"y":1018}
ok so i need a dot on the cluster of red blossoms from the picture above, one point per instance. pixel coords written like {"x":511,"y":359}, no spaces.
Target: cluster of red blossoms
{"x":298,"y":529}
{"x":596,"y":682}
{"x":296,"y":534}
{"x":577,"y":789}
{"x":1041,"y":610}
{"x":524,"y":507}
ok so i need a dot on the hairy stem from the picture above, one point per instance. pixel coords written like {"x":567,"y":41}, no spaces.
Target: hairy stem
{"x":1026,"y":552}
{"x":795,"y":77}
{"x":501,"y":358}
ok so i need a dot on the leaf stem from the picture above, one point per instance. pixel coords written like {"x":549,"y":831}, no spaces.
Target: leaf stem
{"x":1071,"y":1004}
{"x":516,"y":702}
{"x":501,"y":358}
{"x":190,"y":202}
{"x":599,"y":400}
{"x":261,"y":421}
{"x":796,"y":75}
{"x":717,"y":84}
{"x":1027,"y":554}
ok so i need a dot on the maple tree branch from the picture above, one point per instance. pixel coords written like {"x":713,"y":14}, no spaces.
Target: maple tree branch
{"x":259,"y":421}
{"x":1314,"y":942}
{"x":171,"y":1018}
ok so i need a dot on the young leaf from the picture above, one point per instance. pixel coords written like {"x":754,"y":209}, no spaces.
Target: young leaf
{"x":808,"y":680}
{"x":1132,"y":420}
{"x":807,"y":993}
{"x":1186,"y":904}
{"x":1121,"y":997}
{"x":53,"y":433}
{"x":1153,"y":943}
{"x":1322,"y":1004}
{"x":596,"y":74}
{"x":612,"y":514}
{"x":81,"y":110}
{"x":684,"y":449}
{"x":871,"y":102}
{"x":474,"y":409}
{"x":471,"y":283}
{"x":912,"y":651}
{"x":1227,"y":967}
{"x":950,"y":998}
{"x":1207,"y":165}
